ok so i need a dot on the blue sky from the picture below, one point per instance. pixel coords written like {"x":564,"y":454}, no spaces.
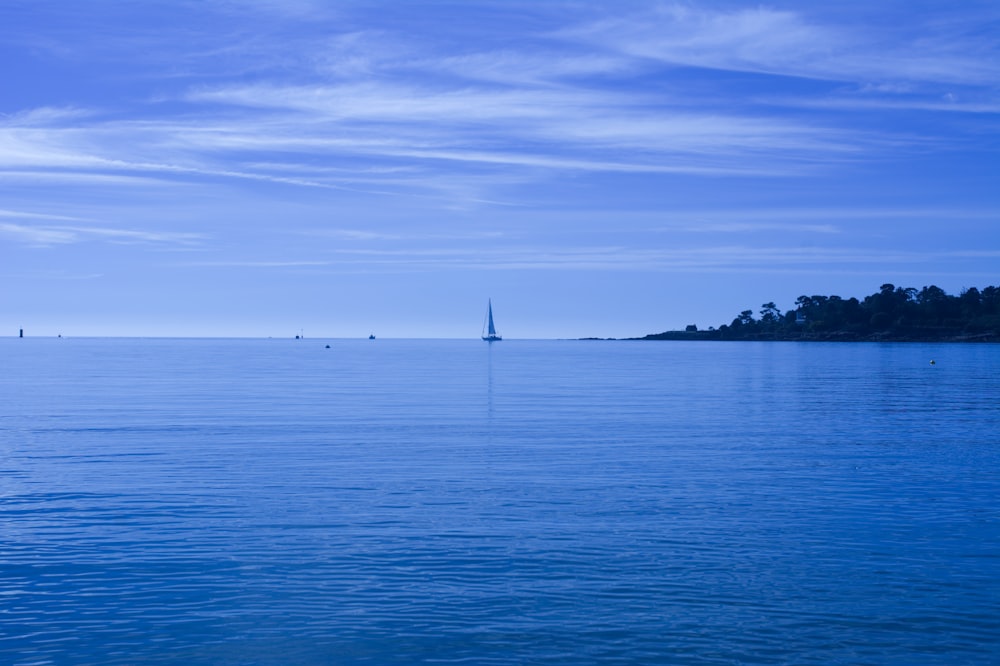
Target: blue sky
{"x":260,"y":168}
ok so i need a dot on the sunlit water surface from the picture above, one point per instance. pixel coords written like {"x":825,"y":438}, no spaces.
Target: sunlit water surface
{"x":392,"y":502}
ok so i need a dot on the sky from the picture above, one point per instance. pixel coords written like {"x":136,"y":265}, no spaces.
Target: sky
{"x":611,"y":169}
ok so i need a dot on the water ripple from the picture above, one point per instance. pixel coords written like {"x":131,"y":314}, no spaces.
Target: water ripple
{"x":539,"y":503}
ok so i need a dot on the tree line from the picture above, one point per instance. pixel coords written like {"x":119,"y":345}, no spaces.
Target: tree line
{"x":891,"y":313}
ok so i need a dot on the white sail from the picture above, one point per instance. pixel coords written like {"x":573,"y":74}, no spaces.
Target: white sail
{"x":490,"y":333}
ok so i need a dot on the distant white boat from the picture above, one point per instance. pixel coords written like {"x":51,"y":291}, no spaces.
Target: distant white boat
{"x":489,"y":330}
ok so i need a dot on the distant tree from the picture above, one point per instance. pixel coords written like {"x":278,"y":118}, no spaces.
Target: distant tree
{"x":890,"y":300}
{"x":852,"y":309}
{"x":817,"y":301}
{"x":746,"y":318}
{"x":988,"y":318}
{"x":769,"y":313}
{"x":990,"y":300}
{"x":931,"y":296}
{"x":971,"y":303}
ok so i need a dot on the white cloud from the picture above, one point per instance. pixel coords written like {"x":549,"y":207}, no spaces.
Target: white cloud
{"x":833,"y":217}
{"x":44,"y":116}
{"x":772,"y":41}
{"x":57,"y":178}
{"x":251,"y":263}
{"x":754,"y":227}
{"x":22,"y":147}
{"x":605,"y":258}
{"x":539,"y":68}
{"x":967,"y":103}
{"x":395,"y":133}
{"x":40,"y":235}
{"x":386,"y":114}
{"x":408,"y":237}
{"x":24,"y":215}
{"x":555,"y":127}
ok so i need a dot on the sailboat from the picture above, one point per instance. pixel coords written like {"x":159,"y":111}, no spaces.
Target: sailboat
{"x":490,"y":332}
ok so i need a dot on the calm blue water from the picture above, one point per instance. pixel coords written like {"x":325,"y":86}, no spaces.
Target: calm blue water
{"x":445,"y":502}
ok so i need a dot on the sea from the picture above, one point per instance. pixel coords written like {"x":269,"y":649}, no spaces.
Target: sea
{"x":282,"y":501}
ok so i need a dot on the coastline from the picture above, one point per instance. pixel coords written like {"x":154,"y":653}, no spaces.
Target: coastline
{"x":829,"y":336}
{"x":892,"y":314}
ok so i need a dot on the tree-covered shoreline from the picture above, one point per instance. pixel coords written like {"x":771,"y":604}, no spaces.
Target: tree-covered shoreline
{"x":892,"y":314}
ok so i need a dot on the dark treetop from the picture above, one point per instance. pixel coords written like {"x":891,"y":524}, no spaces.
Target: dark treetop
{"x":891,"y":314}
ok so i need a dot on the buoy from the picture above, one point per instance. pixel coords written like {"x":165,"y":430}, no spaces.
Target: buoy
{"x":932,"y":361}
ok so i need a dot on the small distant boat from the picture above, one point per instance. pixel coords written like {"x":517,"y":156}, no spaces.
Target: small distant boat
{"x":371,"y":337}
{"x":489,"y":330}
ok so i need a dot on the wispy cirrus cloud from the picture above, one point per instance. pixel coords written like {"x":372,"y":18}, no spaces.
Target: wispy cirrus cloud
{"x":408,"y":117}
{"x":408,"y":237}
{"x":256,"y":263}
{"x":868,"y":100}
{"x":539,"y":68}
{"x":554,"y":128}
{"x":825,"y":220}
{"x":47,"y":235}
{"x":757,"y":40}
{"x":692,"y":259}
{"x":787,"y":43}
{"x":756,"y":227}
{"x":44,"y":116}
{"x":578,"y":132}
{"x":26,"y":215}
